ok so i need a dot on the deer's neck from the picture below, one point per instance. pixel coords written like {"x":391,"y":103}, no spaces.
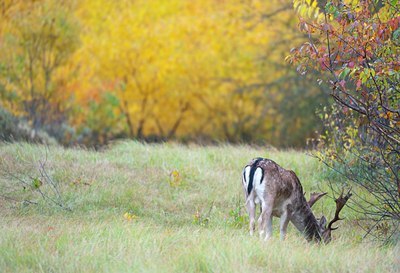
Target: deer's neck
{"x":305,"y":221}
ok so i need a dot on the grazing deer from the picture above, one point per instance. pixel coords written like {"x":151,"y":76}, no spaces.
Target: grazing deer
{"x":280,"y":194}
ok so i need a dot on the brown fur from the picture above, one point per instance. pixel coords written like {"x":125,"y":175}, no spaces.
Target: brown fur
{"x":282,"y":197}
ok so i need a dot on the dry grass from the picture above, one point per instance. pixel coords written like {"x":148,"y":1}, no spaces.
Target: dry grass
{"x":179,"y":225}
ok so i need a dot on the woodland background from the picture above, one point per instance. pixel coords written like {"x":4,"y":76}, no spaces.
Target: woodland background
{"x":86,"y":73}
{"x":92,"y":71}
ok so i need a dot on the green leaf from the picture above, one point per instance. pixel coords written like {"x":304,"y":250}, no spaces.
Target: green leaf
{"x":36,"y":183}
{"x":344,"y":73}
{"x":396,"y":34}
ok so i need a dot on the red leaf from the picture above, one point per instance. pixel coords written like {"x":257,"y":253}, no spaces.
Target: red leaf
{"x":358,"y":84}
{"x":342,"y":84}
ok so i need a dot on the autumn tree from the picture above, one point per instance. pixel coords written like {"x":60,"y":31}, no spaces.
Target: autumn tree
{"x":37,"y":38}
{"x":356,"y":45}
{"x":206,"y":69}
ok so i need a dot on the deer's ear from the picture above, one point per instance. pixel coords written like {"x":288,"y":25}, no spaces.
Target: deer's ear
{"x":323,"y":221}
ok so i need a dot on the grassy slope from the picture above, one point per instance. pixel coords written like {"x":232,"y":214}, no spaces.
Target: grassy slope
{"x":131,"y":177}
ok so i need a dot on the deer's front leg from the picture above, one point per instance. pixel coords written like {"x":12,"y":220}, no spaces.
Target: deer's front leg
{"x":251,"y":209}
{"x":265,"y":220}
{"x":283,"y":224}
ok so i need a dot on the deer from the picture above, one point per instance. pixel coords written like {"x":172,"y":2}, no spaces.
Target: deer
{"x":280,"y":194}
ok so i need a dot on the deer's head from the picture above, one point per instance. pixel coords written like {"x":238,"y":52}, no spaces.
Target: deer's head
{"x":326,"y":230}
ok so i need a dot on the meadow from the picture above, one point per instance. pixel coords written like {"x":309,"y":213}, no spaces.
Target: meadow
{"x":138,"y":207}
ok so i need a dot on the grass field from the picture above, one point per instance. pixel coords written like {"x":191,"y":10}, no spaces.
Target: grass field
{"x":162,"y":208}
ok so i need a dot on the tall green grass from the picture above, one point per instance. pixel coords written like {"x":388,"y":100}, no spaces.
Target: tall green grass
{"x":190,"y":222}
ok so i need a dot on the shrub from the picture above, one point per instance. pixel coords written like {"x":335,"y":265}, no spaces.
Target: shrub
{"x":15,"y":129}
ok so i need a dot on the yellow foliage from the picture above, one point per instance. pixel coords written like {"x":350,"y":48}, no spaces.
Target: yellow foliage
{"x":175,"y":179}
{"x":130,"y":216}
{"x":308,"y":9}
{"x":173,"y":68}
{"x":171,"y":62}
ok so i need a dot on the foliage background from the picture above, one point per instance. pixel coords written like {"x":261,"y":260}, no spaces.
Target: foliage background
{"x":95,"y":70}
{"x":355,"y":44}
{"x":92,"y":71}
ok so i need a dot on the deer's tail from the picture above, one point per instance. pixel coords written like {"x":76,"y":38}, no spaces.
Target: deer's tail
{"x":250,"y":174}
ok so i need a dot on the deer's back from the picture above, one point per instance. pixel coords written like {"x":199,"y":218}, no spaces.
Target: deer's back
{"x":280,"y":184}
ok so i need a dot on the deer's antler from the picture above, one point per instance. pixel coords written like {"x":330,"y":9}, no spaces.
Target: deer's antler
{"x":340,"y":202}
{"x":314,"y":197}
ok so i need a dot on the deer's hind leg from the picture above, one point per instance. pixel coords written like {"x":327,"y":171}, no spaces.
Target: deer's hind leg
{"x":265,"y":219}
{"x":251,"y":209}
